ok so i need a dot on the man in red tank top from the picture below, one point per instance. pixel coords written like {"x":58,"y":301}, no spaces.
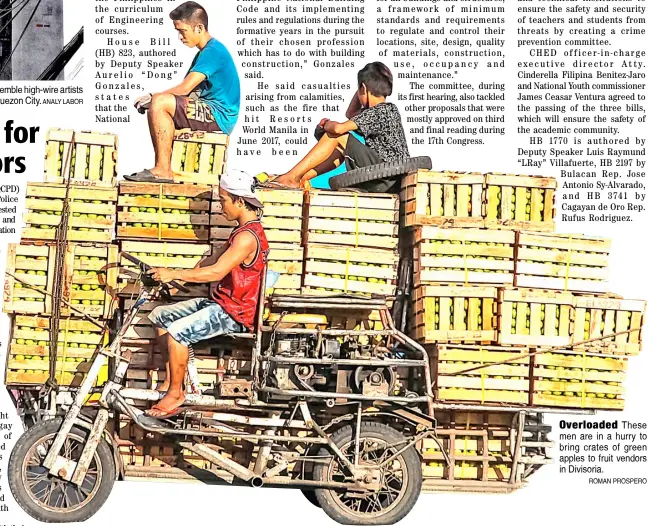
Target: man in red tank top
{"x":235,"y":281}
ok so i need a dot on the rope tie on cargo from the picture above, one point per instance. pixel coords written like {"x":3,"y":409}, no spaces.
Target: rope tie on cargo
{"x":465,"y":445}
{"x":60,"y":239}
{"x":159,"y":214}
{"x":357,"y":221}
{"x":482,"y":376}
{"x":346,"y":270}
{"x":70,"y":199}
{"x":569,"y":251}
{"x":65,"y":342}
{"x":465,"y":256}
{"x":63,"y":300}
{"x":65,"y":337}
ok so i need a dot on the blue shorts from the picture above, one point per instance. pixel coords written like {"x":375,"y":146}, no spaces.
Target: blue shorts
{"x":194,"y":320}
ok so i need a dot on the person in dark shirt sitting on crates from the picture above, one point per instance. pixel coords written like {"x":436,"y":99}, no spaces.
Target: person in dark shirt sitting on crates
{"x":234,"y":294}
{"x":208,"y":99}
{"x":371,"y":116}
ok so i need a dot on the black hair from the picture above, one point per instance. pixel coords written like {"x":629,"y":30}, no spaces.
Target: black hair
{"x":377,"y":78}
{"x":190,"y":12}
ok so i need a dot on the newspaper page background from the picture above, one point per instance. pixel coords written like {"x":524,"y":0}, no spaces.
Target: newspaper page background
{"x":493,"y":67}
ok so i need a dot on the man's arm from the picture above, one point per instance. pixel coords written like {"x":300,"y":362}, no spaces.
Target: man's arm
{"x":354,"y":107}
{"x":339,"y":128}
{"x":190,"y":82}
{"x":206,"y":261}
{"x":243,"y":246}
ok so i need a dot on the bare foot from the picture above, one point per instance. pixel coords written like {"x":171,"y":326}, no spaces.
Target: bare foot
{"x":164,"y":387}
{"x":168,"y":404}
{"x":287,"y":180}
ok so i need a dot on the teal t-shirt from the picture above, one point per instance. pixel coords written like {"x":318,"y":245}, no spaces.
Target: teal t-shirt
{"x":221,"y":90}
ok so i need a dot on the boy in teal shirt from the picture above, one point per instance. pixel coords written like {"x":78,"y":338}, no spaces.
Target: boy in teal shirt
{"x":208,"y":99}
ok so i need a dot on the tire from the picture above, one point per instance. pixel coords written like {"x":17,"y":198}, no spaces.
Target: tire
{"x":311,"y":497}
{"x":380,"y":178}
{"x":408,"y":487}
{"x":30,"y":446}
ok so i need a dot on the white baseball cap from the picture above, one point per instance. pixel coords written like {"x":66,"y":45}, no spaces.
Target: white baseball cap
{"x":241,"y":184}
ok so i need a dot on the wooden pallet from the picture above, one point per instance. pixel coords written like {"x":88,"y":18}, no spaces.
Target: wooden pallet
{"x":288,"y":260}
{"x":91,"y":160}
{"x":454,"y":313}
{"x":590,"y":401}
{"x":164,"y":212}
{"x":469,"y":419}
{"x":351,"y":219}
{"x":596,"y":316}
{"x":448,"y":199}
{"x":463,"y":255}
{"x":475,"y":452}
{"x":92,"y":212}
{"x":281,"y":219}
{"x":520,"y":202}
{"x":89,"y":279}
{"x":561,"y":377}
{"x":33,"y":265}
{"x":28,"y":360}
{"x":176,"y":256}
{"x":466,"y":470}
{"x":347,"y":269}
{"x":536,"y":318}
{"x":198,"y":157}
{"x":466,"y":444}
{"x":571,"y":262}
{"x":507,"y":382}
{"x":91,"y":276}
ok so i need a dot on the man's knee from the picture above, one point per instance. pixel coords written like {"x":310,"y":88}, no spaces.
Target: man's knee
{"x":340,"y":139}
{"x":161,"y":318}
{"x":163,"y":102}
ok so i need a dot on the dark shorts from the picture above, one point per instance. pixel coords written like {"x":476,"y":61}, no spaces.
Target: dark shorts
{"x":194,"y":114}
{"x":356,"y":154}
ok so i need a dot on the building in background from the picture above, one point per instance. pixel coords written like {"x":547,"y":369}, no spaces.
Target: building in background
{"x":32,"y":40}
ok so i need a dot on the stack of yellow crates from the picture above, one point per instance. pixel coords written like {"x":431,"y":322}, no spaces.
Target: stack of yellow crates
{"x":79,"y":188}
{"x":493,"y":279}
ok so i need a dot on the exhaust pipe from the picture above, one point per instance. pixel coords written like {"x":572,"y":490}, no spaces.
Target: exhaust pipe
{"x":256,"y":482}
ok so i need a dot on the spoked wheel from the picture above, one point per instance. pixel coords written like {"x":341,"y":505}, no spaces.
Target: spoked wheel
{"x":52,"y":499}
{"x":396,"y":485}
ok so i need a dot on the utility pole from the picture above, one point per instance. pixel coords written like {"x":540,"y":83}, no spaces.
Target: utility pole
{"x":42,"y":41}
{"x":5,"y":39}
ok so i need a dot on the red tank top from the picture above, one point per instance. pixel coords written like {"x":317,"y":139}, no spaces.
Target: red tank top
{"x":238,"y":292}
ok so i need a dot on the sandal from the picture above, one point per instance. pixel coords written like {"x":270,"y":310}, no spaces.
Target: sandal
{"x":146,"y":176}
{"x":166,"y":414}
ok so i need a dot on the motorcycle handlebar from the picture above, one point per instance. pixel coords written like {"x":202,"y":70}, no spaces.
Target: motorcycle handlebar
{"x":145,"y":267}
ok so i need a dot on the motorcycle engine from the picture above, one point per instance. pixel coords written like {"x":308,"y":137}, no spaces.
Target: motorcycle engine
{"x":331,"y":377}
